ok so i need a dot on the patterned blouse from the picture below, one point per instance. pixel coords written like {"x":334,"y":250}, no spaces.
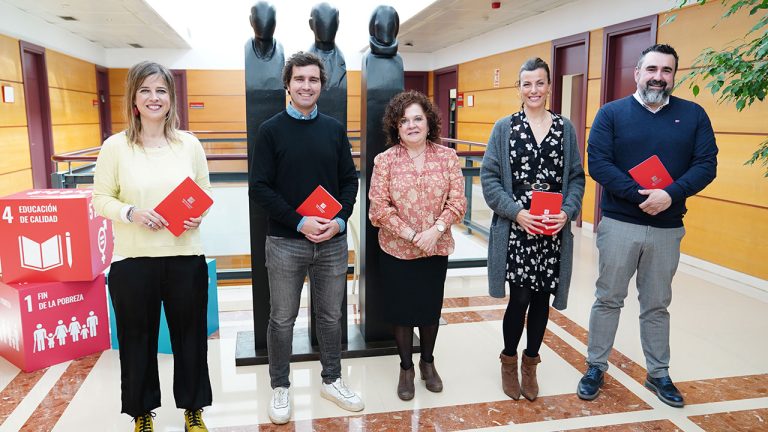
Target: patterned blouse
{"x":405,"y":201}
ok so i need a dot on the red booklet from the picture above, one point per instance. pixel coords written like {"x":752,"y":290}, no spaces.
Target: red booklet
{"x":546,"y":203}
{"x":188,"y":200}
{"x":651,"y":174}
{"x":320,"y":203}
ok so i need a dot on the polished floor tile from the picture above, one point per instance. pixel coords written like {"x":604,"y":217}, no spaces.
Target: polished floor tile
{"x":719,"y":361}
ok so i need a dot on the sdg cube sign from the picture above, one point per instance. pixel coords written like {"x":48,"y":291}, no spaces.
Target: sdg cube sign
{"x":53,"y":235}
{"x":42,"y":324}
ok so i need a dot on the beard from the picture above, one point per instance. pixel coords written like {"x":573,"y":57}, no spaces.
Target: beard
{"x":652,"y":96}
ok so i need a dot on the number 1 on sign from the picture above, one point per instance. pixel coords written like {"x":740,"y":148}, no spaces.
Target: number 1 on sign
{"x":28,"y":299}
{"x":7,"y":216}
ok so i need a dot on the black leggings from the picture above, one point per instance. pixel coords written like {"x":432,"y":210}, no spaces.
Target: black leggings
{"x":404,"y":341}
{"x":537,"y":304}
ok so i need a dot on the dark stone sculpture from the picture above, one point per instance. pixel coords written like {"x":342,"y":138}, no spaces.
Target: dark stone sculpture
{"x":264,"y":97}
{"x":324,"y":22}
{"x":382,"y":78}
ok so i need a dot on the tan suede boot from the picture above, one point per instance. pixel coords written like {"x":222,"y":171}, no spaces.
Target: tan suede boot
{"x":405,"y":388}
{"x":529,"y":385}
{"x":509,"y":381}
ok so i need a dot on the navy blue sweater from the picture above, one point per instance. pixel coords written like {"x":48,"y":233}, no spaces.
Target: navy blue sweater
{"x":291,"y":158}
{"x":625,"y":133}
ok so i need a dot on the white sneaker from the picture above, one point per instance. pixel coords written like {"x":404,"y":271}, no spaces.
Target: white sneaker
{"x":280,"y":406}
{"x":338,"y":393}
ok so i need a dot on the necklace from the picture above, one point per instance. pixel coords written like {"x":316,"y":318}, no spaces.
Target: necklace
{"x":540,"y":122}
{"x":417,"y":156}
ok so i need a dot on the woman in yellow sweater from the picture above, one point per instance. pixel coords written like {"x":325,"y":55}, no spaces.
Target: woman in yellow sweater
{"x":135,"y":170}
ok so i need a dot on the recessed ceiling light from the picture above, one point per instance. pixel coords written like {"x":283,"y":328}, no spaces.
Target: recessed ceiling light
{"x":135,"y":45}
{"x":408,"y":44}
{"x":67,"y":18}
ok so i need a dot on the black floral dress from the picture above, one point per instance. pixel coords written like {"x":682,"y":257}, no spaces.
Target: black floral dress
{"x":533,"y":261}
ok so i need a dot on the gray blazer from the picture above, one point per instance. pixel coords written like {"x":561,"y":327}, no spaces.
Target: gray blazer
{"x":496,"y":178}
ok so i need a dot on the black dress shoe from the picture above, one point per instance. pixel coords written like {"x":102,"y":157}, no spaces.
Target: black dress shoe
{"x":665,"y":390}
{"x":589,"y":386}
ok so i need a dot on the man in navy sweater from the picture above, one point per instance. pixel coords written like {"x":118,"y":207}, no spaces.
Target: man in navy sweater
{"x":297,"y":150}
{"x":641,"y":229}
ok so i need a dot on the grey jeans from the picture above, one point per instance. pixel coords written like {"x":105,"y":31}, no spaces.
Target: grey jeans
{"x":288,"y":261}
{"x":654,"y":253}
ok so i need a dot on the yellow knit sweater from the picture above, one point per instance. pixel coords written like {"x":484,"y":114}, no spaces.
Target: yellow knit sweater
{"x":132,"y":175}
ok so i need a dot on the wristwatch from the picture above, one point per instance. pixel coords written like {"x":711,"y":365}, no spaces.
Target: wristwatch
{"x":440,"y":227}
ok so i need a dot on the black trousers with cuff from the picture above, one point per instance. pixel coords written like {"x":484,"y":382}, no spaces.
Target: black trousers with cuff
{"x":138,"y":287}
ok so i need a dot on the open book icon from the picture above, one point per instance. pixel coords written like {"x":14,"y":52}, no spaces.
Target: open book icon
{"x":41,"y":256}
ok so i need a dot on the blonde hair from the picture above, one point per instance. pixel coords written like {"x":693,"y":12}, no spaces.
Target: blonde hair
{"x":136,"y":76}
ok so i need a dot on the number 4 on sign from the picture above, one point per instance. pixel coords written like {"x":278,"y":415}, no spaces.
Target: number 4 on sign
{"x":7,"y":216}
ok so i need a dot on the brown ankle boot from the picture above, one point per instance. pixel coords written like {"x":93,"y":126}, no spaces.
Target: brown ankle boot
{"x":430,"y":376}
{"x":509,"y":381}
{"x":405,"y":390}
{"x":529,"y":385}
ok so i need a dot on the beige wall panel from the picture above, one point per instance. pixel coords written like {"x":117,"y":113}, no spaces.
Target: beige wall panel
{"x":353,"y":125}
{"x":727,"y":234}
{"x":478,"y":74}
{"x":72,"y":107}
{"x":14,"y":146}
{"x":67,"y":138}
{"x":476,"y":132}
{"x":218,"y":126}
{"x":353,"y":109}
{"x":724,"y":116}
{"x":116,"y":108}
{"x":117,"y":81}
{"x":595,"y":54}
{"x":14,"y":114}
{"x":353,"y":83}
{"x":10,"y":59}
{"x":118,"y":127}
{"x":593,"y":100}
{"x":216,"y":82}
{"x":588,"y":203}
{"x":218,"y":109}
{"x":65,"y":72}
{"x":490,"y":105}
{"x":699,"y":27}
{"x":15,"y":182}
{"x":736,"y":181}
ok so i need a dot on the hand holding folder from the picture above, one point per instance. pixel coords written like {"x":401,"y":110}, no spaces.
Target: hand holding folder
{"x":187,"y":201}
{"x":651,"y":174}
{"x":320,"y":203}
{"x":546,"y":203}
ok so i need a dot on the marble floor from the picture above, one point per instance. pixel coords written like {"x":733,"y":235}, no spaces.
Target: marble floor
{"x":719,"y":361}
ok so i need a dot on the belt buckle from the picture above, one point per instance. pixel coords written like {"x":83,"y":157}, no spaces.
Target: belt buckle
{"x":540,"y":186}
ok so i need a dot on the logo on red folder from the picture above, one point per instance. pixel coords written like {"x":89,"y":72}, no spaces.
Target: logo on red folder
{"x":544,"y":204}
{"x":188,"y":200}
{"x":320,"y":203}
{"x":651,"y":174}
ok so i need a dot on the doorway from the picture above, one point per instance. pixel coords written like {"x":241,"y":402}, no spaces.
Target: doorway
{"x":180,"y":81}
{"x":35,"y":77}
{"x":446,"y":83}
{"x":417,"y":81}
{"x":102,"y":92}
{"x":622,"y":45}
{"x":570,"y":61}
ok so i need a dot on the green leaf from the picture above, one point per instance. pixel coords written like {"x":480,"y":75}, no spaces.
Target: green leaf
{"x":740,"y":104}
{"x":695,"y":89}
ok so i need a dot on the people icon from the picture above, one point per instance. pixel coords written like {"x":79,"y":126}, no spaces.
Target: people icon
{"x":61,"y":333}
{"x":92,"y":321}
{"x":14,"y":338}
{"x":39,"y":337}
{"x":74,"y":329}
{"x":84,"y":332}
{"x":50,"y":340}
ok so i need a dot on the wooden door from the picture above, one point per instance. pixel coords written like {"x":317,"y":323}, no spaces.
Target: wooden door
{"x":38,"y":103}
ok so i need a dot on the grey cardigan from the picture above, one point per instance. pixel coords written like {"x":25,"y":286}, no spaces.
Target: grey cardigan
{"x":496,"y":178}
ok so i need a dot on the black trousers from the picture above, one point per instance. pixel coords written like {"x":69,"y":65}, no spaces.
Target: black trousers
{"x":138,"y":287}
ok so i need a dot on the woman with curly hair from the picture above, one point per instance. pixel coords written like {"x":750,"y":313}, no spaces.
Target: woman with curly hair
{"x":416,"y":194}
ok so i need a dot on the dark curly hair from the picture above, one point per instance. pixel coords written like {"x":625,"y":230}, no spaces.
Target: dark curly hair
{"x":396,"y":110}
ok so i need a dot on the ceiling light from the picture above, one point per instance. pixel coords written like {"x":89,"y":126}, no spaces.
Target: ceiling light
{"x":135,"y":45}
{"x":67,"y":18}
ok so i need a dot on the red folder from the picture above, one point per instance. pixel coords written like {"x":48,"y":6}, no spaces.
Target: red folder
{"x":651,"y":174}
{"x":188,"y":200}
{"x":546,"y":203}
{"x":320,"y":203}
